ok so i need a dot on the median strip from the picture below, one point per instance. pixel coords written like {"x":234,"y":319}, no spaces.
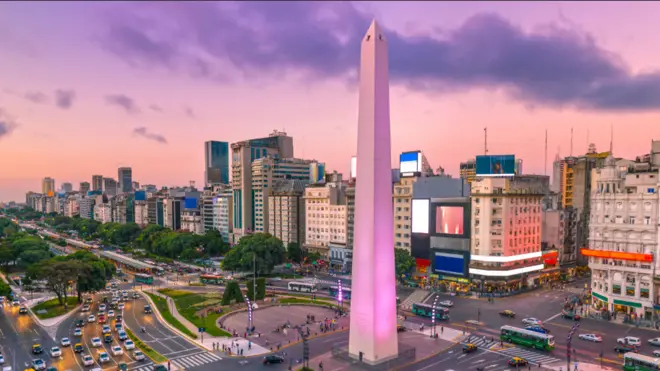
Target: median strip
{"x":164,"y":310}
{"x":147,"y":350}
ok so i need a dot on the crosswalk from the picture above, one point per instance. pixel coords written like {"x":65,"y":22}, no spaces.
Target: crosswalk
{"x":529,"y":355}
{"x":481,"y":341}
{"x":186,"y":362}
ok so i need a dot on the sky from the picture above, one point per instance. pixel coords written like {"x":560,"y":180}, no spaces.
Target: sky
{"x":88,"y":87}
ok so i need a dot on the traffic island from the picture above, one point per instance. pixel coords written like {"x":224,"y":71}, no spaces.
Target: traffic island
{"x":53,"y":308}
{"x":147,"y":350}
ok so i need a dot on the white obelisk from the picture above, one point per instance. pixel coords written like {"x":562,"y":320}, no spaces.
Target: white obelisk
{"x":373,"y":336}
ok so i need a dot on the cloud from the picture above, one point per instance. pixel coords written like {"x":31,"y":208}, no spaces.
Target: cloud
{"x":189,"y":112}
{"x":7,"y":124}
{"x":156,"y":108}
{"x":123,"y":101}
{"x":36,"y":97}
{"x":143,"y":132}
{"x":553,"y":66}
{"x":64,"y":98}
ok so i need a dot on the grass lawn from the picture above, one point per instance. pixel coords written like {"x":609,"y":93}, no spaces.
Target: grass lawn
{"x":306,"y":301}
{"x":54,"y":308}
{"x":189,"y":303}
{"x":164,"y":310}
{"x":147,"y":350}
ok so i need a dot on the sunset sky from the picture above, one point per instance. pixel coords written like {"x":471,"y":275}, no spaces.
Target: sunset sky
{"x":88,"y":87}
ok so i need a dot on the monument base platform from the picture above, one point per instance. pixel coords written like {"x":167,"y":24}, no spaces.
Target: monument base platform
{"x":406,"y":355}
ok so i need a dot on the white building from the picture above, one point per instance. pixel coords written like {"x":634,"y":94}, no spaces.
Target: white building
{"x":623,"y":237}
{"x":103,"y":212}
{"x":223,"y":214}
{"x":72,"y":206}
{"x":141,"y":213}
{"x":86,"y":207}
{"x":286,"y":211}
{"x":325,"y":218}
{"x":191,"y":221}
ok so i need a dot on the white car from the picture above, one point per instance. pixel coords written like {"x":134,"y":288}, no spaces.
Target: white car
{"x":138,"y":355}
{"x":85,"y":308}
{"x":77,"y":332}
{"x":65,"y":342}
{"x":106,"y":330}
{"x":591,"y":337}
{"x":97,"y":343}
{"x":91,"y":319}
{"x":654,"y":341}
{"x":102,"y":308}
{"x":446,"y":303}
{"x":532,"y":321}
{"x":122,"y":335}
{"x":121,"y":306}
{"x":2,"y":359}
{"x":656,"y":353}
{"x":38,"y":364}
{"x":630,"y":340}
{"x":55,"y":352}
{"x":111,"y":313}
{"x":15,"y":303}
{"x":104,"y":357}
{"x":87,"y":360}
{"x":117,"y":351}
{"x":129,"y":345}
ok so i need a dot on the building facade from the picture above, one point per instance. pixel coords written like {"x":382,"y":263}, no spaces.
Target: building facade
{"x":286,"y":211}
{"x":155,"y":213}
{"x":97,"y":182}
{"x":103,"y":212}
{"x":325,"y":218}
{"x":402,"y":205}
{"x":468,"y":170}
{"x":67,"y":187}
{"x":48,"y":186}
{"x":141,"y":213}
{"x":110,"y":187}
{"x":125,"y":177}
{"x":83,"y":188}
{"x":216,"y":160}
{"x":86,"y":208}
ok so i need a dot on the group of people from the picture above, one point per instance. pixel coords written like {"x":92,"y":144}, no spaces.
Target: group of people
{"x":230,"y":349}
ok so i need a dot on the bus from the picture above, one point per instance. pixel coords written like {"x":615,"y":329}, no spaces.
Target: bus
{"x":426,"y":310}
{"x":211,"y":279}
{"x":639,"y":362}
{"x":346,"y":292}
{"x":527,"y":338}
{"x":144,"y":278}
{"x":302,"y":286}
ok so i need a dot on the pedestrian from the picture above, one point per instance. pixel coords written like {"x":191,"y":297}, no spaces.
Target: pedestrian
{"x":442,"y":329}
{"x":249,"y":345}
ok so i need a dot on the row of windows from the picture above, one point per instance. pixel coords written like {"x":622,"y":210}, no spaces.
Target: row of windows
{"x":621,"y":220}
{"x":648,"y":206}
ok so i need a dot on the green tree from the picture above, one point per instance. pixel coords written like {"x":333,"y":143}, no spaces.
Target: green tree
{"x":213,"y":244}
{"x":294,"y":252}
{"x":404,"y":263}
{"x":313,"y":256}
{"x":232,"y":293}
{"x":58,"y":274}
{"x":268,"y":251}
{"x":261,"y":288}
{"x":5,"y":289}
{"x":93,"y":272}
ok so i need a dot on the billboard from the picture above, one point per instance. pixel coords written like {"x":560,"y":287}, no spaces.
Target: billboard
{"x":410,"y":163}
{"x":353,"y":167}
{"x":450,"y":262}
{"x":450,"y":220}
{"x":190,"y":203}
{"x":498,"y":165}
{"x":420,"y":215}
{"x":140,"y":195}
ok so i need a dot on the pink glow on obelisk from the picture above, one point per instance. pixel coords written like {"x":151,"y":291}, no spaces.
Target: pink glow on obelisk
{"x":373,"y":302}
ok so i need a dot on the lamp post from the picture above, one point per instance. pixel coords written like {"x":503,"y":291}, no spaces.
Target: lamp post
{"x":249,"y":304}
{"x":569,"y":340}
{"x":433,"y":312}
{"x":340,"y":296}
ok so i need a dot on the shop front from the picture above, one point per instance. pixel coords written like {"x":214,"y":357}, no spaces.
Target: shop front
{"x":599,"y":301}
{"x":423,"y":266}
{"x":456,"y":285}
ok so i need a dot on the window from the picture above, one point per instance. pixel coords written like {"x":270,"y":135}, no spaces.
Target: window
{"x":647,"y":220}
{"x":631,"y":220}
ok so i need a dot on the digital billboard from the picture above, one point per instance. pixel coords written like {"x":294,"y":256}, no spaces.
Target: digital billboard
{"x":140,"y":195}
{"x":353,"y":167}
{"x":450,"y":262}
{"x":498,"y":165}
{"x":410,"y":163}
{"x":420,"y":215}
{"x":190,"y":203}
{"x":450,"y":220}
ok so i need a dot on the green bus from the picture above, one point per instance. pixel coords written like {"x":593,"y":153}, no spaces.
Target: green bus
{"x":144,"y":278}
{"x":426,"y":310}
{"x":527,"y":338}
{"x":211,"y":279}
{"x":639,"y":362}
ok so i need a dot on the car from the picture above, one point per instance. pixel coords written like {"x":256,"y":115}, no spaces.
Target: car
{"x":118,"y":326}
{"x":117,"y":351}
{"x":538,"y":328}
{"x":107,"y":339}
{"x":655,"y":341}
{"x":111,"y":313}
{"x":102,"y":308}
{"x":272,"y":358}
{"x":446,"y":303}
{"x":469,"y":348}
{"x":103,"y":357}
{"x":122,"y":366}
{"x":136,"y":295}
{"x":55,"y":352}
{"x":22,"y":310}
{"x":80,"y":323}
{"x":121,"y":306}
{"x":400,"y":328}
{"x":65,"y":342}
{"x":160,"y":368}
{"x":2,"y":359}
{"x":87,"y":360}
{"x":147,"y":309}
{"x":121,"y":334}
{"x":15,"y":303}
{"x":106,"y":330}
{"x":85,"y":308}
{"x":531,"y":321}
{"x":38,"y":364}
{"x":78,"y":348}
{"x":77,"y":332}
{"x":508,"y":313}
{"x":625,"y":349}
{"x":91,"y":318}
{"x":101,"y":318}
{"x":517,"y":362}
{"x":139,"y":356}
{"x":129,"y":345}
{"x":51,"y":368}
{"x":119,"y":318}
{"x":591,"y":337}
{"x":37,"y":349}
{"x":96,"y":342}
{"x":630,"y":340}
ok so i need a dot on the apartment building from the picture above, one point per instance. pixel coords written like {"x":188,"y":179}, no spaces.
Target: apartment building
{"x":48,"y":186}
{"x":141,"y":213}
{"x":83,"y":188}
{"x":103,"y":212}
{"x":286,"y":211}
{"x":468,"y":170}
{"x":325,"y":218}
{"x":86,"y":208}
{"x":402,"y":199}
{"x":155,"y":211}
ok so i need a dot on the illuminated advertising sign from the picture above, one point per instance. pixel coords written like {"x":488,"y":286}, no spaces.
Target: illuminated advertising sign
{"x":451,"y":262}
{"x":353,"y":167}
{"x":420,"y":216}
{"x":449,"y":220}
{"x":410,"y":163}
{"x":499,"y":165}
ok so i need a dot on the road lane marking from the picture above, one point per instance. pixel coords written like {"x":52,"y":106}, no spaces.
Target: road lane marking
{"x":553,"y":317}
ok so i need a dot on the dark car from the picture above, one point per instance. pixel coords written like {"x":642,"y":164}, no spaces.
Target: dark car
{"x":273,"y":359}
{"x":147,"y":309}
{"x":625,"y":349}
{"x":469,"y":348}
{"x":508,"y":313}
{"x":400,"y":328}
{"x":107,"y":338}
{"x":80,"y":323}
{"x":517,"y":362}
{"x":160,"y":368}
{"x":23,"y":310}
{"x":37,"y":349}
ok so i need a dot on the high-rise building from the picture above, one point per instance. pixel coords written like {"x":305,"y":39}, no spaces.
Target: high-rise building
{"x":278,"y":146}
{"x":110,"y":187}
{"x":48,"y":186}
{"x":141,"y":213}
{"x":103,"y":212}
{"x":325,"y":217}
{"x":125,"y":177}
{"x":374,"y":287}
{"x":136,"y":185}
{"x":286,"y":211}
{"x":217,"y":211}
{"x":172,"y":208}
{"x":155,"y":213}
{"x":84,"y":188}
{"x":86,"y":207}
{"x":216,"y":160}
{"x":67,"y":187}
{"x":97,"y":182}
{"x":468,"y":170}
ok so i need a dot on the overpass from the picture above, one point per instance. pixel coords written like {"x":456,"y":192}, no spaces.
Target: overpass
{"x":126,"y":262}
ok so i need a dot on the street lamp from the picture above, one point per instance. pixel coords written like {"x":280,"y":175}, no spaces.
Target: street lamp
{"x":433,"y":311}
{"x":249,"y":304}
{"x":340,"y":295}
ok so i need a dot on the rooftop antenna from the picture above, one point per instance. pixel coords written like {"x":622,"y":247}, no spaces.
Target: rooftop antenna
{"x":485,"y":141}
{"x":611,"y":139}
{"x":587,"y":139}
{"x":571,"y":152}
{"x":545,"y":158}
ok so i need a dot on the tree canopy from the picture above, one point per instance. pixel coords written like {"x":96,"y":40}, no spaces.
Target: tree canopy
{"x":266,"y":249}
{"x":404,"y":262}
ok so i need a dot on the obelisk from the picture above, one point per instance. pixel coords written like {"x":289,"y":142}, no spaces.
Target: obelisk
{"x":373,"y":336}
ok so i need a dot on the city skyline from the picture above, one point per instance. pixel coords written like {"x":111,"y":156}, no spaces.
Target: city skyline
{"x":169,"y":111}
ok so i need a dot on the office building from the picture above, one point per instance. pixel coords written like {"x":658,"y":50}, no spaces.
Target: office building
{"x":141,"y":213}
{"x":277,"y":146}
{"x":155,"y":213}
{"x":468,"y":170}
{"x":86,"y":208}
{"x":67,"y":187}
{"x":97,"y":182}
{"x":125,"y":178}
{"x":325,"y":218}
{"x":216,"y":160}
{"x":286,"y":211}
{"x":172,"y":208}
{"x":84,"y":188}
{"x":124,"y":208}
{"x":110,"y":187}
{"x":103,"y":212}
{"x":48,"y":186}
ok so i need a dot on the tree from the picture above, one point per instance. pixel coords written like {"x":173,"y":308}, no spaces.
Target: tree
{"x":268,"y":251}
{"x":232,"y":293}
{"x":294,"y":252}
{"x":58,"y":274}
{"x":404,"y":263}
{"x":214,"y":244}
{"x":93,"y":272}
{"x":5,"y":289}
{"x":313,"y":256}
{"x":261,"y":288}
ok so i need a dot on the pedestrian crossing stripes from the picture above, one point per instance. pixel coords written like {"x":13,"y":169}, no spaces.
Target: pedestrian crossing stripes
{"x":481,"y":341}
{"x":194,"y":360}
{"x":529,"y":356}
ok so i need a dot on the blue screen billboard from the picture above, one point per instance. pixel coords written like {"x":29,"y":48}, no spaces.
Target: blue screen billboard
{"x":190,"y":203}
{"x":498,"y":165}
{"x":449,"y":263}
{"x":410,"y":163}
{"x":140,"y":195}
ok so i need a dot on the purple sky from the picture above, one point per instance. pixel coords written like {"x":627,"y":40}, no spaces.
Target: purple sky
{"x":88,"y":87}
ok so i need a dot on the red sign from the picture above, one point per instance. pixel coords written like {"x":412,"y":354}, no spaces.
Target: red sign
{"x":617,"y":255}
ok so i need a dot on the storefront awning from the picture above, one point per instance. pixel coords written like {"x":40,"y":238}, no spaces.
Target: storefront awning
{"x":599,"y":296}
{"x":627,"y":303}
